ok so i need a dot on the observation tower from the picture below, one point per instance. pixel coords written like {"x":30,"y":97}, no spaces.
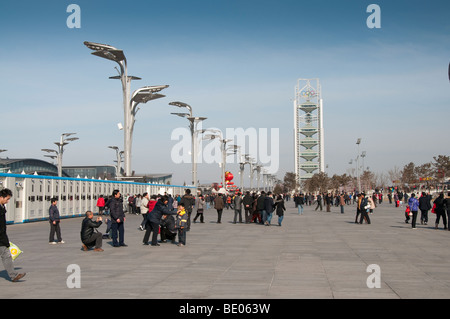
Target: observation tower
{"x":308,"y":129}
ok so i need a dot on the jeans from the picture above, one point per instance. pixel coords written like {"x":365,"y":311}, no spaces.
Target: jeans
{"x":269,"y":217}
{"x":182,"y":236}
{"x":300,"y":209}
{"x":263,"y":216}
{"x":280,"y":219}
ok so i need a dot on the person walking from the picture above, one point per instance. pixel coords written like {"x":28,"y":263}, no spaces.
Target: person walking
{"x":261,"y":207}
{"x":89,"y":238}
{"x":219,"y":205}
{"x":54,"y":220}
{"x":101,"y":205}
{"x":256,"y":216}
{"x":359,"y":207}
{"x":144,"y":210}
{"x":328,"y":201}
{"x":319,"y":202}
{"x":5,"y":252}
{"x":247,"y":203}
{"x":342,"y":202}
{"x":280,"y":209}
{"x":200,"y":209}
{"x":447,"y":206}
{"x":440,"y":210}
{"x":237,"y":207}
{"x":115,"y":204}
{"x":364,"y":207}
{"x":413,"y":203}
{"x":299,"y":201}
{"x":424,"y":206}
{"x":268,"y":208}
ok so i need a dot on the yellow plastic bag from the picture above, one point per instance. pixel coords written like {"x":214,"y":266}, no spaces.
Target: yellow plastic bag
{"x":15,"y":250}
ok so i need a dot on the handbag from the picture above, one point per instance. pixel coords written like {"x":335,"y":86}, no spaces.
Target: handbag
{"x":433,"y":210}
{"x":15,"y":250}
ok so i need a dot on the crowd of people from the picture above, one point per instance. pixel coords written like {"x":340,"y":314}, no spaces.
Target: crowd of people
{"x":170,"y":217}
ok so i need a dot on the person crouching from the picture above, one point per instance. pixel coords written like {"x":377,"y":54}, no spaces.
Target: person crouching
{"x":89,"y":237}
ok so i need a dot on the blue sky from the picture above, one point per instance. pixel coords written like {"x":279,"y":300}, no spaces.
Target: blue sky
{"x":236,"y":63}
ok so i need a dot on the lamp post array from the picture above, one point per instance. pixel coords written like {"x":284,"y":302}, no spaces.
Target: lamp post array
{"x":193,"y":122}
{"x":148,"y":93}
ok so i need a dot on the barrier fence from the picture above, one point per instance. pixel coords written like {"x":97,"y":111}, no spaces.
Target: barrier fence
{"x":32,"y":194}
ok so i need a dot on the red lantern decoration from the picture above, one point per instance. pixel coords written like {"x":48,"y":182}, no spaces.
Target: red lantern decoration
{"x":228,"y":176}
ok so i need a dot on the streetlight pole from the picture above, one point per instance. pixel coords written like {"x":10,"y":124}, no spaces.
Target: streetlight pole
{"x":59,"y":153}
{"x":224,"y":152}
{"x":358,"y":142}
{"x":141,"y":95}
{"x":119,"y":160}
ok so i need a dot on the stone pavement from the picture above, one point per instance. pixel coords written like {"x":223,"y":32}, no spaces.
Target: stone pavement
{"x":315,"y":255}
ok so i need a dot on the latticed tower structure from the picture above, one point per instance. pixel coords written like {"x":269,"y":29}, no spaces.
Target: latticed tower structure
{"x":308,"y":129}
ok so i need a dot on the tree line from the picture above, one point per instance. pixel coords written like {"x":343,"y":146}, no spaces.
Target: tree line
{"x":411,"y":177}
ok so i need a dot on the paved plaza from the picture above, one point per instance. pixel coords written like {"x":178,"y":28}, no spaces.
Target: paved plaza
{"x":315,"y":255}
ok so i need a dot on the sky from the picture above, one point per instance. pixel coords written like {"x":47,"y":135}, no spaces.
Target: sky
{"x":236,"y":63}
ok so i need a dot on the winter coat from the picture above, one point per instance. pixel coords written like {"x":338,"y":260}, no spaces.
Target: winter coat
{"x":268,"y":204}
{"x":53,"y":213}
{"x":160,"y":209}
{"x":413,"y":204}
{"x":100,"y":202}
{"x":439,"y":204}
{"x":280,"y":208}
{"x":218,"y":203}
{"x":189,"y":201}
{"x":4,"y":241}
{"x":116,"y":209}
{"x":424,"y":202}
{"x":87,"y":228}
{"x":181,"y":221}
{"x":247,"y":201}
{"x":238,"y":203}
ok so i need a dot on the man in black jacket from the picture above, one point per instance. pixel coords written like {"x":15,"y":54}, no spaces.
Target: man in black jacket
{"x":5,"y":253}
{"x":189,"y":201}
{"x":89,"y":238}
{"x":54,"y":220}
{"x":424,"y":206}
{"x":248,"y":203}
{"x":260,"y":207}
{"x":115,"y":205}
